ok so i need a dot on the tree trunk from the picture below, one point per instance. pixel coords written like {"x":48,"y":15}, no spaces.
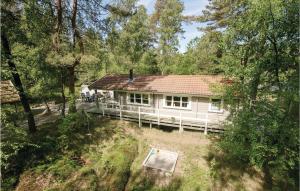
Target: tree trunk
{"x":63,"y":94}
{"x":18,"y":83}
{"x":254,"y":87}
{"x":58,"y":27}
{"x":72,"y":102}
{"x":56,"y":45}
{"x":268,"y":181}
{"x":76,"y":36}
{"x":276,"y":51}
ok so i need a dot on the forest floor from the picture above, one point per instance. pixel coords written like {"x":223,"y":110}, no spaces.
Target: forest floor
{"x":112,"y":154}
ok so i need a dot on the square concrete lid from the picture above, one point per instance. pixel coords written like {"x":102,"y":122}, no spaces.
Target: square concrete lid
{"x":161,"y":159}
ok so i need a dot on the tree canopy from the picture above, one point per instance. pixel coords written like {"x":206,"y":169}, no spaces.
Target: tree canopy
{"x":50,"y":47}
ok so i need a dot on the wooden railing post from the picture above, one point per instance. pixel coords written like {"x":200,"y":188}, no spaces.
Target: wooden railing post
{"x":102,"y":109}
{"x":158,"y":117}
{"x":140,"y":124}
{"x":206,"y":121}
{"x":180,"y":123}
{"x":120,"y":112}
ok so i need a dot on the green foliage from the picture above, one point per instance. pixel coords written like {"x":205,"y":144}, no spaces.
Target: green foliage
{"x":71,"y":125}
{"x":61,"y":168}
{"x":167,"y":20}
{"x":265,"y":135}
{"x":205,"y":54}
{"x":15,"y":146}
{"x":135,"y":37}
{"x":148,"y":64}
{"x":258,"y":55}
{"x":104,"y":164}
{"x":87,"y":179}
{"x":116,"y":164}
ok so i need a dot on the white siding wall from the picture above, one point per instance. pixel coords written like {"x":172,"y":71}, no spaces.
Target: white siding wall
{"x":200,"y":106}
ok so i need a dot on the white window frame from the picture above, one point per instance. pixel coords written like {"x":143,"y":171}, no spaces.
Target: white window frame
{"x":216,"y":111}
{"x":189,"y":107}
{"x":135,"y":103}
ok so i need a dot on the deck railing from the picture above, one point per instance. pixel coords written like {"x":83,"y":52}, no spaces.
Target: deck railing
{"x":180,"y":118}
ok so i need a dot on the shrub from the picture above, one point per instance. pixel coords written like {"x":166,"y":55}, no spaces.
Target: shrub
{"x":71,"y":125}
{"x":15,"y":146}
{"x":265,"y":136}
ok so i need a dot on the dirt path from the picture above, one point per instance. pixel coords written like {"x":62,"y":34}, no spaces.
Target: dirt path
{"x":42,"y":117}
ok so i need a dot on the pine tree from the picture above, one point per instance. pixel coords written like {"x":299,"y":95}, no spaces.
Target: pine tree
{"x":167,"y":23}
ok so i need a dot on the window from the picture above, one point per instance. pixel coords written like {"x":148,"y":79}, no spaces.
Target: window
{"x":132,"y":98}
{"x":145,"y":99}
{"x":169,"y":101}
{"x":136,"y":98}
{"x":184,"y":102}
{"x":216,"y":105}
{"x":177,"y":102}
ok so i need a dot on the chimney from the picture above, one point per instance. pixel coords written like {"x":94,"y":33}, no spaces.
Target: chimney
{"x":130,"y":75}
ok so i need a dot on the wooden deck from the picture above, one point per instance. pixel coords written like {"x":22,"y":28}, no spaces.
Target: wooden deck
{"x":147,"y":115}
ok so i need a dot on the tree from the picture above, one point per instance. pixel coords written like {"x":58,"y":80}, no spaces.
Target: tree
{"x":167,"y":21}
{"x":206,"y":53}
{"x":148,"y":63}
{"x":135,"y":37}
{"x":68,"y":42}
{"x":17,"y":81}
{"x":10,"y":26}
{"x":259,"y":54}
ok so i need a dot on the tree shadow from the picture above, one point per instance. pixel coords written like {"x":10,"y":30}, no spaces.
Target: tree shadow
{"x":148,"y":179}
{"x":227,"y":173}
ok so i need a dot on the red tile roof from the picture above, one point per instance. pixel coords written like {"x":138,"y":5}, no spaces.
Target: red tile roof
{"x":180,"y":84}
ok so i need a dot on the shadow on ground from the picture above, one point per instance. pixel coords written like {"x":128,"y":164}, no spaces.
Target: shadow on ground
{"x":149,"y":179}
{"x":231,"y":175}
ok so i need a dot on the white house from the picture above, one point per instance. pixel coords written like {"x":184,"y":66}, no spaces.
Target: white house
{"x":181,"y":98}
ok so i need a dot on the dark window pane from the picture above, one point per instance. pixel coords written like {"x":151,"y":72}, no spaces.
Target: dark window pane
{"x":176,"y":98}
{"x":145,"y":101}
{"x":137,"y":96}
{"x":184,"y":104}
{"x":169,"y":98}
{"x":216,"y":104}
{"x":132,"y":98}
{"x":169,"y":103}
{"x":216,"y":100}
{"x":185,"y":99}
{"x":145,"y":96}
{"x":176,"y":104}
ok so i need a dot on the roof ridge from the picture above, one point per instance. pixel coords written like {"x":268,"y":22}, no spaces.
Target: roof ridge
{"x":185,"y":84}
{"x":210,"y":75}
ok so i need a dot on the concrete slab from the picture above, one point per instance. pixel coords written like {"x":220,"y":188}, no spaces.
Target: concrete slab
{"x":161,"y":159}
